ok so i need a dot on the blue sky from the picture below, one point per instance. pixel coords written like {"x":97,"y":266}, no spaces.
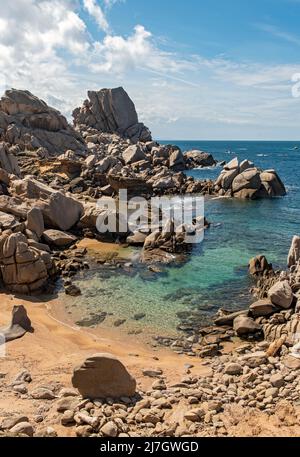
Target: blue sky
{"x":195,"y":69}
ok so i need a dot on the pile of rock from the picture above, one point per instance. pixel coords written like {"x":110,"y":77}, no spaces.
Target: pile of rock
{"x":111,"y":111}
{"x":33,"y":219}
{"x":243,"y":385}
{"x":244,"y":180}
{"x":276,"y":313}
{"x":28,"y":123}
{"x":166,"y":244}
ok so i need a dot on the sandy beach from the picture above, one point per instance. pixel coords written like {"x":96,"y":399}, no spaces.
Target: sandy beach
{"x":50,"y":353}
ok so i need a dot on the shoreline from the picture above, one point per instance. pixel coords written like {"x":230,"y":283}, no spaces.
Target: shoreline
{"x":56,"y":347}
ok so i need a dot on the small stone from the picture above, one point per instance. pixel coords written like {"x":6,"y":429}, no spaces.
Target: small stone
{"x":152,"y":373}
{"x":67,"y":392}
{"x":67,"y":418}
{"x":214,"y":405}
{"x":10,"y":422}
{"x":109,"y":429}
{"x":65,"y":403}
{"x":84,"y":431}
{"x":50,"y":432}
{"x":277,"y":380}
{"x":23,"y":376}
{"x":20,"y":388}
{"x":42,"y":394}
{"x":233,"y":369}
{"x":23,"y":428}
{"x":195,"y":415}
{"x":159,"y":385}
{"x":271,"y":392}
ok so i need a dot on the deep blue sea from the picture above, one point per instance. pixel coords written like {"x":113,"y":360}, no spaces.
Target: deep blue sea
{"x":216,"y":274}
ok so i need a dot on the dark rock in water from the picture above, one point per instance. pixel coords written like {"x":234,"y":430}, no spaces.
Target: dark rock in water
{"x":92,"y":320}
{"x":20,"y":324}
{"x":72,"y":290}
{"x":258,"y":265}
{"x":102,"y":376}
{"x":139,"y":316}
{"x":197,"y":158}
{"x":119,"y":322}
{"x":183,"y":314}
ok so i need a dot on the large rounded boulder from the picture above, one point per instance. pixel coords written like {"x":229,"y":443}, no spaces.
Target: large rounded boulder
{"x":102,"y":376}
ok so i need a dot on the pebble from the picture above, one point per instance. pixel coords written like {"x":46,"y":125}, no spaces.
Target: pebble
{"x":109,"y":429}
{"x":24,"y":428}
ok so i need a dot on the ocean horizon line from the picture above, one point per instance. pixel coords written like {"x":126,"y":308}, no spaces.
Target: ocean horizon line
{"x":222,"y":141}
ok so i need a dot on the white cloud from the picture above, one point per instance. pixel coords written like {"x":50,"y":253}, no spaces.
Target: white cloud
{"x":97,"y":13}
{"x":111,"y":3}
{"x":138,"y":51}
{"x":45,"y":47}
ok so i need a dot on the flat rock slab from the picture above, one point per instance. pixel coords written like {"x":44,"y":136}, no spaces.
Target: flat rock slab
{"x":101,"y":376}
{"x":58,"y":238}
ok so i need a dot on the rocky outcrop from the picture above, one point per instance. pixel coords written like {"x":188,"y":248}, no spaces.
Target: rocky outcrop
{"x":103,"y":376}
{"x":196,"y":159}
{"x":294,"y":252}
{"x":24,"y":268}
{"x":112,"y":111}
{"x":59,"y":210}
{"x":30,"y":124}
{"x":259,"y":265}
{"x":171,"y":241}
{"x":245,"y":181}
{"x":8,"y":162}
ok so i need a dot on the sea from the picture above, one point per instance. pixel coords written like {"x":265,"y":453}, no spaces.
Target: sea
{"x":215,"y":275}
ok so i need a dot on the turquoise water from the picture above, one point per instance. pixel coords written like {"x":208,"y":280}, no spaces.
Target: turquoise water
{"x":216,"y":274}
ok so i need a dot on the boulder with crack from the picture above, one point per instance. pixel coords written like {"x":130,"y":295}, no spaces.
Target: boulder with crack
{"x":24,"y":268}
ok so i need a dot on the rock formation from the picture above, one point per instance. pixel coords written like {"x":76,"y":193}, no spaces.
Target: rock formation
{"x":294,"y":252}
{"x":259,"y":265}
{"x":112,"y":111}
{"x":246,"y":181}
{"x":28,"y":123}
{"x":19,"y":325}
{"x":24,"y":268}
{"x":103,"y":376}
{"x":197,"y":158}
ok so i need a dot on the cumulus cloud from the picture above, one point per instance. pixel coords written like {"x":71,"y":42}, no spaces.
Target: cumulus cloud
{"x":118,"y":54}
